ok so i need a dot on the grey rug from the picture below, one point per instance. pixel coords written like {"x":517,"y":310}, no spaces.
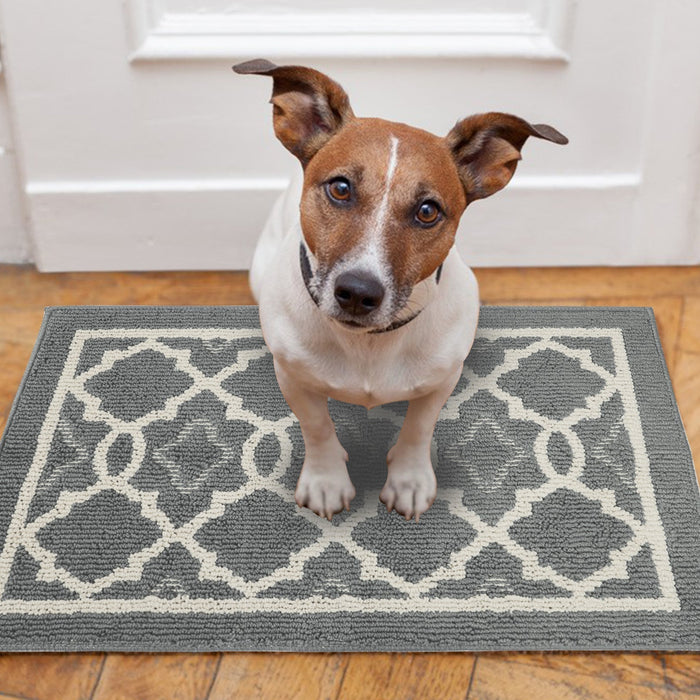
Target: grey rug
{"x":148,"y":467}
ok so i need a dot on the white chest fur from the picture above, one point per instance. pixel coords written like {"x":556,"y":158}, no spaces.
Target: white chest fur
{"x":361,"y":368}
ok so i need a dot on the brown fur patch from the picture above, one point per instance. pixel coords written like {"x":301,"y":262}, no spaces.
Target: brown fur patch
{"x":425,"y":169}
{"x":487,"y":147}
{"x":308,"y":106}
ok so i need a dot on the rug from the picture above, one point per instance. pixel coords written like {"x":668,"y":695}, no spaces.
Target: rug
{"x":147,"y":478}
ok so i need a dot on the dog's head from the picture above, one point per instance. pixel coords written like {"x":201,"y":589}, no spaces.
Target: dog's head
{"x":382,"y":200}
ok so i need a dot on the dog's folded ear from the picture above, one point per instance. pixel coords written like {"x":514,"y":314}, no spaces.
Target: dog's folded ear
{"x":486,"y":149}
{"x":308,"y":107}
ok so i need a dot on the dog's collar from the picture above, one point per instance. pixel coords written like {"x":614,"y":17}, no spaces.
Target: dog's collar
{"x":307,"y":274}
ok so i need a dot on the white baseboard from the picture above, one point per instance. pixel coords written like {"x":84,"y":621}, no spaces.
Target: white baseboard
{"x":149,"y":224}
{"x":14,"y":254}
{"x":14,"y":243}
{"x":214,"y":224}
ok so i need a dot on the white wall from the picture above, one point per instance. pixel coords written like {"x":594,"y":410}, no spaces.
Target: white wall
{"x":14,"y":242}
{"x":142,"y":150}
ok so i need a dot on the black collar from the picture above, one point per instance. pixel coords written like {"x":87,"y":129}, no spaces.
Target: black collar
{"x":306,"y":273}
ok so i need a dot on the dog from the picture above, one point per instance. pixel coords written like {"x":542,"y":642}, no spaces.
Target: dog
{"x":362,"y":294}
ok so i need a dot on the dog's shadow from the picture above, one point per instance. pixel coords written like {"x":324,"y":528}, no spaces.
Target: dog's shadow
{"x":367,"y":435}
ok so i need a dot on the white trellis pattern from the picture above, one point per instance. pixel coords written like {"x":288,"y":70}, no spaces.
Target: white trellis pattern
{"x":411,"y":595}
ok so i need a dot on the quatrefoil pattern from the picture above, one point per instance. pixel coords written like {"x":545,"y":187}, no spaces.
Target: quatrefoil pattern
{"x":164,"y":474}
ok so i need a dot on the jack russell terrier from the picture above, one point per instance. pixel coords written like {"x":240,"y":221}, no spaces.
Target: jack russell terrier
{"x":363,"y":296}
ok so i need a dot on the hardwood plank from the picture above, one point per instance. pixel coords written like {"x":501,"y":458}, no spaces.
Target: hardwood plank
{"x":403,"y":676}
{"x":49,"y":676}
{"x":20,"y":326}
{"x":686,"y":385}
{"x":498,"y":679}
{"x":14,"y":361}
{"x":156,"y":676}
{"x":18,"y":333}
{"x":689,"y":339}
{"x":636,"y":668}
{"x":282,"y":676}
{"x":683,"y":671}
{"x":24,"y":287}
{"x":501,"y":284}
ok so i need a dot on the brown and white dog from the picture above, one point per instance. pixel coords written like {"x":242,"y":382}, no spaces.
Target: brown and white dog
{"x":363,"y":296}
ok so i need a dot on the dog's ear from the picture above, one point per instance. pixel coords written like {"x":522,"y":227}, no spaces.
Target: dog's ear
{"x":486,"y":149}
{"x":308,"y":107}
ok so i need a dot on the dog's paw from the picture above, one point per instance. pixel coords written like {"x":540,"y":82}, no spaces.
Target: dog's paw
{"x":410,"y":488}
{"x":324,"y":491}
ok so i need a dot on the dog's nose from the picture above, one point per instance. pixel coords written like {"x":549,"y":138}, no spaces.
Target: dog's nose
{"x":357,"y":293}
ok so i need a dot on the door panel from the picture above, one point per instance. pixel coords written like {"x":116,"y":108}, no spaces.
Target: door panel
{"x":14,"y":244}
{"x":142,"y":150}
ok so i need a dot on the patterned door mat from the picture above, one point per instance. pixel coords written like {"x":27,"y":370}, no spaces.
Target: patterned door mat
{"x":147,"y":479}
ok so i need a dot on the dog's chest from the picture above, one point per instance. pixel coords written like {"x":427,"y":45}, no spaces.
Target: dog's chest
{"x":369,"y":376}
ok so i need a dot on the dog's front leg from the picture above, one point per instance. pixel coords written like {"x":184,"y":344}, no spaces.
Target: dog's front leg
{"x":324,"y":485}
{"x":411,"y":485}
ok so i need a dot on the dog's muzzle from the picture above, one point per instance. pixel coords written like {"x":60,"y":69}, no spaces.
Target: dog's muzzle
{"x":357,"y":295}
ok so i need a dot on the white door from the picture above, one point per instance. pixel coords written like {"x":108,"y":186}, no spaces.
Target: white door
{"x":139,"y":148}
{"x":14,"y":243}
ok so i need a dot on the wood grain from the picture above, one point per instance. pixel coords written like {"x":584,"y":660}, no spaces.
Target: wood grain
{"x":689,"y":338}
{"x":23,"y":287}
{"x":682,"y":671}
{"x":673,"y":292}
{"x":497,"y":678}
{"x":503,"y":285}
{"x":648,"y":669}
{"x":686,"y":384}
{"x":50,"y":676}
{"x":156,"y":676}
{"x":283,"y":676}
{"x":407,"y":676}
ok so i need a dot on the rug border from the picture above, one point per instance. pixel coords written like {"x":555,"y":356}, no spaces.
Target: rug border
{"x":420,"y":632}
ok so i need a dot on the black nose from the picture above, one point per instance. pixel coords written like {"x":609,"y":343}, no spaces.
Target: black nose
{"x":358,"y":293}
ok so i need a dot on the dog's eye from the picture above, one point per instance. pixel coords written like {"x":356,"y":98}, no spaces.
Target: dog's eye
{"x":428,"y":213}
{"x":339,"y":189}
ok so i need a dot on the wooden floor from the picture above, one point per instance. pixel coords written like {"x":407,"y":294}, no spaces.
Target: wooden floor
{"x":674,"y":293}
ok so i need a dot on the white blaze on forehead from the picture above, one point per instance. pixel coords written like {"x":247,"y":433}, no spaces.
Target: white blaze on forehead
{"x":384,"y":206}
{"x":371,"y":253}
